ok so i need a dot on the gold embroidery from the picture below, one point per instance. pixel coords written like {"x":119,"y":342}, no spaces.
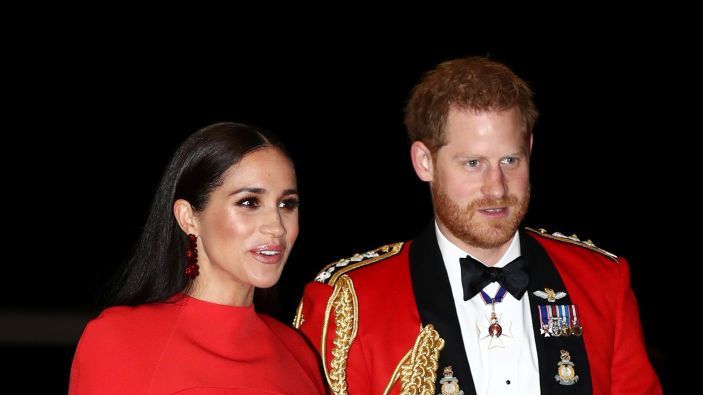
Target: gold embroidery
{"x":417,"y":370}
{"x":573,"y":239}
{"x":396,"y":373}
{"x":298,"y":320}
{"x":346,"y":310}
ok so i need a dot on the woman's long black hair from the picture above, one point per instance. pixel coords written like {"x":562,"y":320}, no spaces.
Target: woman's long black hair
{"x":155,"y":271}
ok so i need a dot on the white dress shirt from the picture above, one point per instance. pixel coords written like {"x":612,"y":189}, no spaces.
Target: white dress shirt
{"x":502,"y":365}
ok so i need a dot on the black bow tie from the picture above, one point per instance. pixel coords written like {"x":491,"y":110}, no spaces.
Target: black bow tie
{"x":475,"y":276}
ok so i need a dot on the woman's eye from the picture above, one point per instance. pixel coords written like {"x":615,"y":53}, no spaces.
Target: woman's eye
{"x":289,"y":204}
{"x":249,"y":202}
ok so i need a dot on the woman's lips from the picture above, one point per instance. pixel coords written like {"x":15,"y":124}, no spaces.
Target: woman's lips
{"x":269,"y":253}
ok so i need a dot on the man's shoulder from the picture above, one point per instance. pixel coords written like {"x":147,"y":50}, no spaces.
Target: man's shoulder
{"x":362,"y":263}
{"x":560,"y":241}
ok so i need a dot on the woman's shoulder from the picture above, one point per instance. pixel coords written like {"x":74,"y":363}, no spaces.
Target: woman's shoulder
{"x":120,"y":346}
{"x":123,"y":332}
{"x":280,"y":329}
{"x":126,"y":322}
{"x":275,"y":324}
{"x":289,"y":336}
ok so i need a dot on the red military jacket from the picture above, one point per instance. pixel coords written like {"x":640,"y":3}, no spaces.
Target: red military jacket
{"x":385,"y":322}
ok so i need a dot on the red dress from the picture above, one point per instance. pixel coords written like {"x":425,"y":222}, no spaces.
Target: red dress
{"x":189,"y":346}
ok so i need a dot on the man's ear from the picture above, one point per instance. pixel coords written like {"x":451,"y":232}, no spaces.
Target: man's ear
{"x":185,"y":216}
{"x":422,"y":161}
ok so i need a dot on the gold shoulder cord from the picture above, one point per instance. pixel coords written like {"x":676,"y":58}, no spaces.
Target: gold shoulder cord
{"x":298,"y":320}
{"x":418,"y":368}
{"x":346,"y":310}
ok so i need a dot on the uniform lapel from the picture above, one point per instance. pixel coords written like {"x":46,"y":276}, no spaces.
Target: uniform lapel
{"x":543,"y":275}
{"x":435,"y":305}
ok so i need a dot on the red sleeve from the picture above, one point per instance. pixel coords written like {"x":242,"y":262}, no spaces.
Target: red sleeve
{"x":73,"y":386}
{"x":105,"y":361}
{"x":314,"y":304}
{"x":631,"y":371}
{"x":94,"y":370}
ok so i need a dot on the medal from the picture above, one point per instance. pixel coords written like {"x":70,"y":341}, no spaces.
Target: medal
{"x":565,"y":320}
{"x":450,"y":384}
{"x":555,"y":326}
{"x":565,"y":330}
{"x":566,"y":375}
{"x":558,"y":320}
{"x":576,"y":329}
{"x":544,"y":320}
{"x":494,"y":330}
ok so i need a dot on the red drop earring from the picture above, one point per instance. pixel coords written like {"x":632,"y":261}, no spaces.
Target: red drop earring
{"x":192,"y":268}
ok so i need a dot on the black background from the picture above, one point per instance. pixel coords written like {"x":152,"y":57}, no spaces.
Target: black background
{"x":91,"y":127}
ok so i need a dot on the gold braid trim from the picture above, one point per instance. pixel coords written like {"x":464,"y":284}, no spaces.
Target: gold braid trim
{"x":298,"y":320}
{"x":384,"y":252}
{"x":346,"y":311}
{"x":417,"y":370}
{"x":573,"y":239}
{"x":336,"y":269}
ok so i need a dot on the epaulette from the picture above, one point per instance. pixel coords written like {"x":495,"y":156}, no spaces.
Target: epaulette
{"x":334,"y":270}
{"x":573,"y":239}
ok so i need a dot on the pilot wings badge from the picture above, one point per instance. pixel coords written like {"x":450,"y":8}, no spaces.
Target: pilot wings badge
{"x":549,"y":294}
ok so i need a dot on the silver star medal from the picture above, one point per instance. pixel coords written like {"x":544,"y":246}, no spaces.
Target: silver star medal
{"x":494,"y":331}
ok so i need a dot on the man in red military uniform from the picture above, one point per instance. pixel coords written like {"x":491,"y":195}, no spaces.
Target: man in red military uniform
{"x":473,"y":305}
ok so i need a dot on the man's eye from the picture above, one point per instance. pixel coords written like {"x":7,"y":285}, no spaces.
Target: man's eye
{"x":472,"y":163}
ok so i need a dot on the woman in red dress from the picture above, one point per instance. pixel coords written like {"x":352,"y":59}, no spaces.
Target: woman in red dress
{"x":223,"y":222}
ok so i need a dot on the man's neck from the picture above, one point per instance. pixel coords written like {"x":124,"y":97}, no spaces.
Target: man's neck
{"x":487,"y":256}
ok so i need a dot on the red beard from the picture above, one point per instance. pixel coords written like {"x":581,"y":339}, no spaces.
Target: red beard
{"x":483,"y":233}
